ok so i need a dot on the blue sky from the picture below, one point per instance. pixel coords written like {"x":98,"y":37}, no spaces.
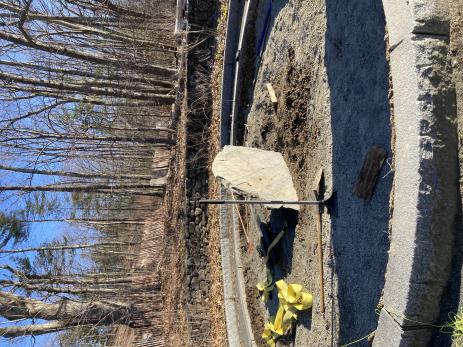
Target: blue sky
{"x":39,"y":234}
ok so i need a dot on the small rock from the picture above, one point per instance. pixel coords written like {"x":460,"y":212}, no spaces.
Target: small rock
{"x":194,"y":283}
{"x":202,"y":274}
{"x":198,"y":211}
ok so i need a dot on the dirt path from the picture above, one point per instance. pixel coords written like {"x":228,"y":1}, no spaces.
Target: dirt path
{"x":326,"y":61}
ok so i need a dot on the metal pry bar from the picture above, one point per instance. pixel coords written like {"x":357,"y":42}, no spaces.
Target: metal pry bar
{"x":272,"y":202}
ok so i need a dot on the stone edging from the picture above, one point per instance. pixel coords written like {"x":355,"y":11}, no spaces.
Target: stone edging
{"x":425,"y":201}
{"x":238,"y":322}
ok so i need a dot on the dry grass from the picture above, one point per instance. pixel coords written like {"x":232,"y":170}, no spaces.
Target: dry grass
{"x":218,"y":331}
{"x":173,"y":263}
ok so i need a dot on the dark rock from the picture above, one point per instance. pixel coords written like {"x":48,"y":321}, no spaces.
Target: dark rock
{"x":203,"y":286}
{"x":202,"y":274}
{"x":194,"y":283}
{"x":189,"y":262}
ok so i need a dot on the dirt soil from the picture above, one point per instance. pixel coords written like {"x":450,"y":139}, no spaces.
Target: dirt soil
{"x":452,"y":301}
{"x":327,"y":63}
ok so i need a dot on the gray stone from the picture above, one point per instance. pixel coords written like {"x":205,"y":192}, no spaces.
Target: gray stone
{"x":204,"y":220}
{"x":197,"y":295}
{"x":194,"y":283}
{"x":192,"y":245}
{"x":203,"y":286}
{"x":426,"y":164}
{"x":425,"y":171}
{"x":202,"y":274}
{"x":391,"y":334}
{"x":197,"y":259}
{"x":198,"y":211}
{"x":203,"y":233}
{"x":255,"y":172}
{"x":404,"y":18}
{"x":189,"y":262}
{"x":191,"y":228}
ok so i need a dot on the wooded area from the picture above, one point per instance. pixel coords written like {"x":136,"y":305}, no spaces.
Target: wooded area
{"x":86,"y":93}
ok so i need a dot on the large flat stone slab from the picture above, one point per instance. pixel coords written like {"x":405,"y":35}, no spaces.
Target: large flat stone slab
{"x":257,"y":173}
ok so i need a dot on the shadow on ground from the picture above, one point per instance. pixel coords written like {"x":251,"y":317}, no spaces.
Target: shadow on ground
{"x":450,"y":301}
{"x":358,"y":80}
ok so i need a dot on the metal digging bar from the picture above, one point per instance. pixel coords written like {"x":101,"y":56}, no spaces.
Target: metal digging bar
{"x":271,"y":202}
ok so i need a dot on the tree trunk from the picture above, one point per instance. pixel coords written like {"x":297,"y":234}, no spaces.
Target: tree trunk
{"x":141,"y":189}
{"x":34,"y":329}
{"x":87,"y":221}
{"x":88,"y":89}
{"x":86,"y":56}
{"x":75,"y":174}
{"x":65,"y":247}
{"x":64,"y":313}
{"x":28,"y":134}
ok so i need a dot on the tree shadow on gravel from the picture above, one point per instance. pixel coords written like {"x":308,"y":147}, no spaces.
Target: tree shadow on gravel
{"x":358,"y":80}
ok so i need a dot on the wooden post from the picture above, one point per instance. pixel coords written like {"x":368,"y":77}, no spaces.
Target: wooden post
{"x":273,"y":96}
